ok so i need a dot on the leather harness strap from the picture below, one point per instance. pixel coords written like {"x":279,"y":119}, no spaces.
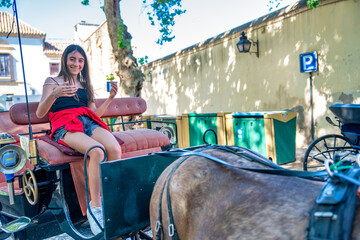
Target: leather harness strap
{"x":248,"y":154}
{"x":278,"y":171}
{"x":171,"y":228}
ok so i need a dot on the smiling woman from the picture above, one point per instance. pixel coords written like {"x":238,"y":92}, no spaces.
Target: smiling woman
{"x":75,"y":119}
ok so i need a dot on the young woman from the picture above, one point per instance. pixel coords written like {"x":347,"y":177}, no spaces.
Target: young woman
{"x":75,"y":120}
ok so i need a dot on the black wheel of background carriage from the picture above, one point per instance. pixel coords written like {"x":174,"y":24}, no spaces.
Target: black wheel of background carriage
{"x":326,"y":147}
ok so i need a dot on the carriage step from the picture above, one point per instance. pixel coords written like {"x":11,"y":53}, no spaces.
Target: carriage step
{"x":16,"y":225}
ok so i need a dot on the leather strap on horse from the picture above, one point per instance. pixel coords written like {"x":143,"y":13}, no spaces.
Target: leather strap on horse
{"x":318,"y":175}
{"x":171,"y":228}
{"x":250,"y":155}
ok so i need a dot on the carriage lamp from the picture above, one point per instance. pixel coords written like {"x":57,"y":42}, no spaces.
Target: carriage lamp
{"x":244,"y":45}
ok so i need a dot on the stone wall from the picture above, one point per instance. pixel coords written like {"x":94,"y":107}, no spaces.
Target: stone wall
{"x":212,"y":76}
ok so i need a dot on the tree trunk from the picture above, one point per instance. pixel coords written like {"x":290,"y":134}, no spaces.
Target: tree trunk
{"x":131,"y":77}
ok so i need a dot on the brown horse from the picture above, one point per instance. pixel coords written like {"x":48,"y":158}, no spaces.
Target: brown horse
{"x":213,"y":201}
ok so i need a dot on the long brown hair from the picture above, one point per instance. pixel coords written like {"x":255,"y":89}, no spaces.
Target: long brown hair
{"x":85,"y":75}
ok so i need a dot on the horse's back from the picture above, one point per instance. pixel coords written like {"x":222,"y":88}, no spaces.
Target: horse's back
{"x":213,"y":201}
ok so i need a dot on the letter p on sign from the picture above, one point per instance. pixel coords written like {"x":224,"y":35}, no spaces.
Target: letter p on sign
{"x":308,"y":62}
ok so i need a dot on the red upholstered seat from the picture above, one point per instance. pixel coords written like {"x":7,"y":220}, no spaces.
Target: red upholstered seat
{"x":136,"y":142}
{"x":140,"y":139}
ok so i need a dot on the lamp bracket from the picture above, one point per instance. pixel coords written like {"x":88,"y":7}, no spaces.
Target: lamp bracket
{"x":255,"y":43}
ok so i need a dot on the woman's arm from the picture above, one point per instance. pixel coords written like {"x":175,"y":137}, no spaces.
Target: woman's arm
{"x":50,"y":93}
{"x":102,"y":108}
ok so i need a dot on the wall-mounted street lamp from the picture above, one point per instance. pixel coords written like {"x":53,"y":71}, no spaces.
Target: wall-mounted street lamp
{"x":244,"y":45}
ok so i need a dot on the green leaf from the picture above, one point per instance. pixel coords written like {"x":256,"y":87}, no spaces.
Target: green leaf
{"x":110,"y":77}
{"x":5,"y":3}
{"x":165,"y":11}
{"x":85,"y":2}
{"x":312,"y":3}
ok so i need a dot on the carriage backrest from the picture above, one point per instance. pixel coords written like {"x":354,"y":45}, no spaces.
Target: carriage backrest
{"x":118,"y":107}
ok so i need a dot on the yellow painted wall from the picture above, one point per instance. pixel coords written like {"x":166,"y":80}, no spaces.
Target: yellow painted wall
{"x":213,"y":76}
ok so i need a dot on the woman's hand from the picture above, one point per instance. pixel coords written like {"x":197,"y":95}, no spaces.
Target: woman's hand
{"x":101,"y":109}
{"x":114,"y":89}
{"x":64,"y":90}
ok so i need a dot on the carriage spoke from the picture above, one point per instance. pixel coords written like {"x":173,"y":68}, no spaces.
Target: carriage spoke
{"x":326,"y":146}
{"x":320,"y":151}
{"x":334,"y":148}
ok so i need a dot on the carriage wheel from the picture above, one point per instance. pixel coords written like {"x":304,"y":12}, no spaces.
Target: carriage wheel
{"x":30,"y":186}
{"x":326,"y":147}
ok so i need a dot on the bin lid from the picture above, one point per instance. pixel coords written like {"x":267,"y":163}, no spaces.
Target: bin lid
{"x":255,"y":114}
{"x":164,"y":116}
{"x":202,"y":114}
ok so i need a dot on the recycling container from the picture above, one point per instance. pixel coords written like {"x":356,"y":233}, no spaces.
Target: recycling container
{"x":194,"y":125}
{"x":163,"y":123}
{"x":165,"y":126}
{"x":271,"y":134}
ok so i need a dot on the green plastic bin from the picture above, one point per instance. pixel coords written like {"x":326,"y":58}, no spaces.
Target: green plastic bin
{"x":271,"y":134}
{"x":194,"y":125}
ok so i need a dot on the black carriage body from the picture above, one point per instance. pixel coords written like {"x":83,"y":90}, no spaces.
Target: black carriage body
{"x":346,"y":145}
{"x":349,"y":116}
{"x":22,"y":207}
{"x":127,"y":186}
{"x":347,"y":113}
{"x":44,"y":212}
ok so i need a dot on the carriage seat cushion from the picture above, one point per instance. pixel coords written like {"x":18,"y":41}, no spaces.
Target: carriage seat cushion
{"x":135,"y":141}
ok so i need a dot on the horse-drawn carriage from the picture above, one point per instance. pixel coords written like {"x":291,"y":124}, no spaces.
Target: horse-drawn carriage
{"x":347,"y":144}
{"x":51,"y":188}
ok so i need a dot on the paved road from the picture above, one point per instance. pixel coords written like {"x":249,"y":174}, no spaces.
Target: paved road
{"x":64,"y":236}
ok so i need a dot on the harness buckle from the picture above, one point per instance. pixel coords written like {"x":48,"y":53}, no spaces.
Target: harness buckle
{"x":157,"y":226}
{"x":171,"y":229}
{"x":326,"y":215}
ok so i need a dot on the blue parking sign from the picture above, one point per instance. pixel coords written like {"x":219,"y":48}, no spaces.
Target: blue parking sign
{"x":308,"y":62}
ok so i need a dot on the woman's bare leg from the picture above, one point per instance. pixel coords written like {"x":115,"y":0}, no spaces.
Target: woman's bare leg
{"x":112,"y":147}
{"x":81,"y":142}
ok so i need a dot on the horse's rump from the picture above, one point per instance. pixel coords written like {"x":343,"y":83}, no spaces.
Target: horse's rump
{"x":213,"y":201}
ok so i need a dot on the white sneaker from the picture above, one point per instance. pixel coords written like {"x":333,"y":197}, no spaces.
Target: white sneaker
{"x":97,"y":212}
